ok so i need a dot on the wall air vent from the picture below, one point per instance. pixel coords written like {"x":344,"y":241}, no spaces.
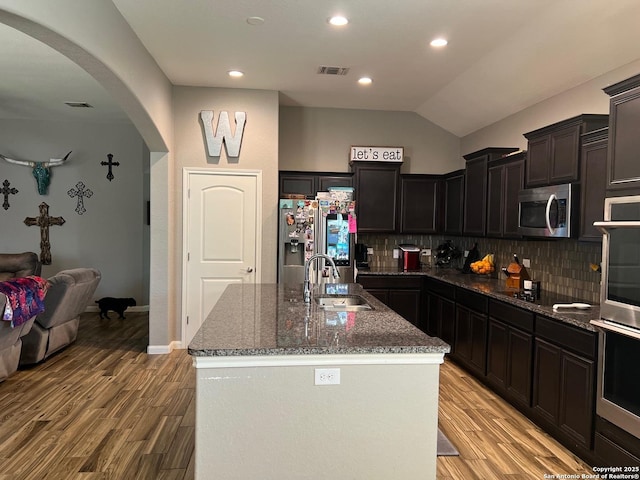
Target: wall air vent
{"x":78,"y":104}
{"x":324,"y":70}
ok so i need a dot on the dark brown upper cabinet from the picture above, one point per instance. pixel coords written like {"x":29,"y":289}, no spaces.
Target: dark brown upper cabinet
{"x":453,"y":202}
{"x":475,"y":188}
{"x":553,"y":152}
{"x":420,"y":203}
{"x":505,"y":180}
{"x":593,"y":183}
{"x":377,"y":187}
{"x":623,"y":158}
{"x":309,"y":183}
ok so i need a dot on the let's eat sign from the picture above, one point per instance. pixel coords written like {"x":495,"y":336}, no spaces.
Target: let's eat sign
{"x":377,"y":154}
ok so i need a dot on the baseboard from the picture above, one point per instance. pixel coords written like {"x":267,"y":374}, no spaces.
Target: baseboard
{"x":164,"y":349}
{"x":139,"y":308}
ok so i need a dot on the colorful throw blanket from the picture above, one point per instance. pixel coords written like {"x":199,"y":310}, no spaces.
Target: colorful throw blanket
{"x":25,"y":298}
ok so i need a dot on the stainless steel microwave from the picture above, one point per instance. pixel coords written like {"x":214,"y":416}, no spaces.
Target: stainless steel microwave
{"x":547,"y":211}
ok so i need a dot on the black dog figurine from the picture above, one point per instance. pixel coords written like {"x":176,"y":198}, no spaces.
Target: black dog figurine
{"x":118,"y":305}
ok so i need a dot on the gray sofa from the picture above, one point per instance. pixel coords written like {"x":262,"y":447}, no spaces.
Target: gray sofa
{"x":70,"y":291}
{"x":14,"y":265}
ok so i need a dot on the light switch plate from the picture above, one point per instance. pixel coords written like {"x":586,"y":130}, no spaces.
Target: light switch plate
{"x":396,"y":253}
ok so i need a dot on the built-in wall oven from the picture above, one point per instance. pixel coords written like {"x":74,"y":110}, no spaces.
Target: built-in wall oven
{"x":618,"y":390}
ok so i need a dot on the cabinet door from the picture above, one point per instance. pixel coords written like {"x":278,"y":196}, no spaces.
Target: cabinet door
{"x":327,"y":181}
{"x":519,"y":371}
{"x":593,"y":189}
{"x":406,"y":303}
{"x":381,"y":294}
{"x":419,"y":204}
{"x":475,"y":197}
{"x":432,"y":324}
{"x":537,"y":167}
{"x":576,"y":401}
{"x":624,"y":141}
{"x":513,"y":183}
{"x":294,"y":183}
{"x":495,"y":201}
{"x":546,"y":380}
{"x":376,"y":189}
{"x":447,"y":321}
{"x":497,"y":354}
{"x":565,"y":144}
{"x":471,"y":339}
{"x":454,"y":194}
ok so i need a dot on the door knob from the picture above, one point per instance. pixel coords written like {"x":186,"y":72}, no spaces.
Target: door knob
{"x":249,"y":269}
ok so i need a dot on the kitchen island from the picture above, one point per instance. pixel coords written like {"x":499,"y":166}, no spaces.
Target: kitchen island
{"x":288,"y":390}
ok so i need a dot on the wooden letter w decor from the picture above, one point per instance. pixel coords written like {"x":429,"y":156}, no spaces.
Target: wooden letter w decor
{"x":223,"y":132}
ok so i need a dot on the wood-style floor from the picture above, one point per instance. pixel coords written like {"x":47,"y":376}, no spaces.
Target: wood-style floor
{"x":104,"y":409}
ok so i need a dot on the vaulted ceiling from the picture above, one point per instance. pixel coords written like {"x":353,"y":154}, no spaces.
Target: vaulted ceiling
{"x":503,"y":55}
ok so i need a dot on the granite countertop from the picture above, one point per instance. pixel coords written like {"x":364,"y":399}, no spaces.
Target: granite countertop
{"x":495,"y":288}
{"x":272,"y":319}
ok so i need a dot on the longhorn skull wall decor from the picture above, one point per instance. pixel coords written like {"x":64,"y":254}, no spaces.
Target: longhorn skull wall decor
{"x":40,"y":170}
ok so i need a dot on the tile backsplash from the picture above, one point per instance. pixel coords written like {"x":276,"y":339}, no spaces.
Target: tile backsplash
{"x":562,"y":266}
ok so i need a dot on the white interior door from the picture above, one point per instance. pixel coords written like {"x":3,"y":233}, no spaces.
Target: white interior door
{"x":222,"y":238}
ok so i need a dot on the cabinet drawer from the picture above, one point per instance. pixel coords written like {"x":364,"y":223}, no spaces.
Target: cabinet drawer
{"x":440,"y":288}
{"x":511,"y":315}
{"x":473,"y":301}
{"x":390,"y":281}
{"x":580,"y":341}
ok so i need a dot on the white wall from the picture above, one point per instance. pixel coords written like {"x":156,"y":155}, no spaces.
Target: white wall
{"x":319,"y":139}
{"x":259,"y":151}
{"x":112,"y":235}
{"x":585,"y":98}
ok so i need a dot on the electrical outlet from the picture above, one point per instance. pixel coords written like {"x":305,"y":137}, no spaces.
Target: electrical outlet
{"x":327,"y":376}
{"x":526,"y":263}
{"x":369,"y":251}
{"x":466,"y":253}
{"x":425,"y":252}
{"x":396,"y":253}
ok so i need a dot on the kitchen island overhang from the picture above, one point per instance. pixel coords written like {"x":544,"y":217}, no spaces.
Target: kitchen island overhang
{"x":260,"y":413}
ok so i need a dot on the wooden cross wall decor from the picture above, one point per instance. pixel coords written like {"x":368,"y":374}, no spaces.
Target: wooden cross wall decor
{"x":6,"y":191}
{"x":110,"y":163}
{"x":44,"y":221}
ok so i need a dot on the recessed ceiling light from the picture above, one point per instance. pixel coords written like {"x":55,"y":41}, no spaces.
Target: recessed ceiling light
{"x":255,"y":20}
{"x":235,"y":73}
{"x":338,"y":21}
{"x":438,"y":42}
{"x":365,"y":81}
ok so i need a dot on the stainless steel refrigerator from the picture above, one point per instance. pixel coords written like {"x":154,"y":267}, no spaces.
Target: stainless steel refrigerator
{"x":326,"y":225}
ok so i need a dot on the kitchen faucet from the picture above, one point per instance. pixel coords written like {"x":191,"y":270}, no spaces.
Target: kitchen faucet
{"x":307,"y":283}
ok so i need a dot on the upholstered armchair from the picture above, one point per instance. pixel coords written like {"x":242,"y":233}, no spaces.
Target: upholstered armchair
{"x":14,"y":265}
{"x":10,"y":343}
{"x":70,"y":291}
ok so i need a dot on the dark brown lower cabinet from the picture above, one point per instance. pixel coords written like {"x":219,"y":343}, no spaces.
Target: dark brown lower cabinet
{"x":471,"y":339}
{"x":509,"y":360}
{"x":470,"y":331}
{"x":401,"y":293}
{"x":441,"y":311}
{"x":563,"y":391}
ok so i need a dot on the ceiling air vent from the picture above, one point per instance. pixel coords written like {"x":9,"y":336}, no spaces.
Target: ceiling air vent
{"x":324,"y":70}
{"x":78,"y":104}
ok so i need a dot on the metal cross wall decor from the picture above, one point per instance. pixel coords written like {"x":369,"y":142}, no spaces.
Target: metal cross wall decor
{"x":80,"y":192}
{"x":6,"y":191}
{"x":44,"y":221}
{"x":111,"y":163}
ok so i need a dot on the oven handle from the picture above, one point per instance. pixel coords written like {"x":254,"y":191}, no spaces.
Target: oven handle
{"x":617,"y":328}
{"x":547,"y":218}
{"x":604,"y":227}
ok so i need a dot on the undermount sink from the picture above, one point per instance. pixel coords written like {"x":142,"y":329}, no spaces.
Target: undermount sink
{"x":343,"y":303}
